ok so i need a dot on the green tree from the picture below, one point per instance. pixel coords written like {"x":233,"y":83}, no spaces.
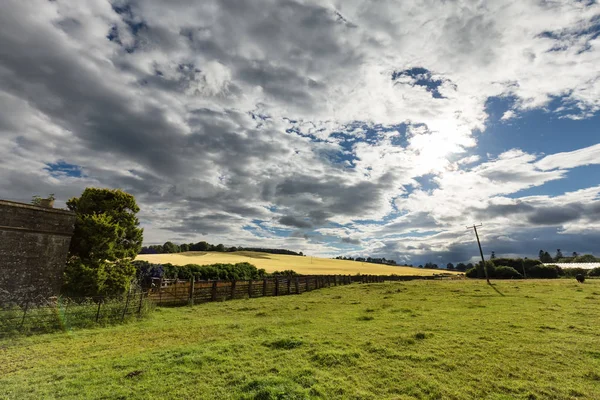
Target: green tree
{"x":105,"y":242}
{"x":170,"y":247}
{"x":450,"y":266}
{"x":586,"y":258}
{"x":558,"y":255}
{"x":461,"y":267}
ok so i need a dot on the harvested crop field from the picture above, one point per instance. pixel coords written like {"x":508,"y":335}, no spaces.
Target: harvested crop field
{"x":278,"y":262}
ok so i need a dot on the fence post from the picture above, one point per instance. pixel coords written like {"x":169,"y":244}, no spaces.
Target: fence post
{"x":98,"y":309}
{"x":141,"y":301}
{"x":67,"y":312}
{"x":24,"y":314}
{"x":264,"y":287}
{"x":233,"y":283}
{"x":276,"y":286}
{"x":160,"y":282}
{"x":297,"y":285}
{"x":126,"y":305}
{"x":214,"y":291}
{"x":191,"y":300}
{"x":250,"y":288}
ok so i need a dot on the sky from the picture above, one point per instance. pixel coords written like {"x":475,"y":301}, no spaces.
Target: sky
{"x":333,"y":127}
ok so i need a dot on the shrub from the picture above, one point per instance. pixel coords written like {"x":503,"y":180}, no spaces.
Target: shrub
{"x":471,"y":273}
{"x":544,"y":271}
{"x":573,"y":272}
{"x":594,"y":272}
{"x":478,"y":271}
{"x":239,"y":271}
{"x":504,"y":272}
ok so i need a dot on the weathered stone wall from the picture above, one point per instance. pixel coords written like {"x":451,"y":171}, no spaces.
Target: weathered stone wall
{"x":34,"y":242}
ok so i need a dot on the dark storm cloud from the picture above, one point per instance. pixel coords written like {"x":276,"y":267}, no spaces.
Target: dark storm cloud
{"x":537,"y":214}
{"x":501,"y":210}
{"x":336,"y":196}
{"x":555,"y":215}
{"x":205,"y":225}
{"x":64,"y":87}
{"x":295,"y":222}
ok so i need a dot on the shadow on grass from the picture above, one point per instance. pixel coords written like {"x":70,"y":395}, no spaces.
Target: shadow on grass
{"x":496,"y":289}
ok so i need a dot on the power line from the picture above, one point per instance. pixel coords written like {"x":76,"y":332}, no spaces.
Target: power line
{"x":474,"y":227}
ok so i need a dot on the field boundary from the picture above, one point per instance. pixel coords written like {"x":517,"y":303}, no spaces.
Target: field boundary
{"x":35,"y":314}
{"x":181,"y":292}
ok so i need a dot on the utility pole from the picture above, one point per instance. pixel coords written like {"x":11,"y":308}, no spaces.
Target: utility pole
{"x":474,"y":227}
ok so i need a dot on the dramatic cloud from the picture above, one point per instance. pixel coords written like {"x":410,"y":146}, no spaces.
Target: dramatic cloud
{"x":328,"y":127}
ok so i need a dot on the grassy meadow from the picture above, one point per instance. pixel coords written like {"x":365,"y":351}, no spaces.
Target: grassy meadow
{"x":403,"y":340}
{"x":279,"y":262}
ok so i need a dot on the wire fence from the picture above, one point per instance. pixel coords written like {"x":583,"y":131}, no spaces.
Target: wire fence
{"x":36,"y":315}
{"x":29,"y":314}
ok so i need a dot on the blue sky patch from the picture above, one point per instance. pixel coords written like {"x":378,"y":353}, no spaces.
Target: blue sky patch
{"x":61,"y":169}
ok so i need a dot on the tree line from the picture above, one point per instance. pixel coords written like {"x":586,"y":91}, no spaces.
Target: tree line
{"x":170,"y":247}
{"x":516,"y":268}
{"x":546,"y":258}
{"x":146,"y":272}
{"x":373,"y":260}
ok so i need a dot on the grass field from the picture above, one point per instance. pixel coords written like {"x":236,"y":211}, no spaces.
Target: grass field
{"x":419,"y":339}
{"x":279,"y":262}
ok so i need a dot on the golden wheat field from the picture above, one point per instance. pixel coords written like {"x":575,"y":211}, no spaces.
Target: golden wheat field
{"x":278,"y":262}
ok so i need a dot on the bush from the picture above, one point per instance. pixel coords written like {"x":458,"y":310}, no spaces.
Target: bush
{"x":544,"y":271}
{"x":478,"y":271}
{"x":594,"y":272}
{"x":471,"y":273}
{"x":519,"y":264}
{"x":573,"y":272}
{"x":239,"y":271}
{"x":504,"y":272}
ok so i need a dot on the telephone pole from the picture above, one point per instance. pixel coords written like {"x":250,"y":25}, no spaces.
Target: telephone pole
{"x":474,"y":227}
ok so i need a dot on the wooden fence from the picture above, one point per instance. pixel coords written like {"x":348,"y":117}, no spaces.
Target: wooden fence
{"x":193,"y":292}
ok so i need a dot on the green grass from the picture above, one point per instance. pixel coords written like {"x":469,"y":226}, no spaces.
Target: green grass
{"x":425,"y":340}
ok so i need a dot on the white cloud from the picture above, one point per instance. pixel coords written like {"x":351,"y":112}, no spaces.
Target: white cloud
{"x":214,"y":113}
{"x":509,"y":114}
{"x":571,"y":159}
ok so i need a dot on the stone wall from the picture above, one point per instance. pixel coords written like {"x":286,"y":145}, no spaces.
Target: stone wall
{"x":34,"y":242}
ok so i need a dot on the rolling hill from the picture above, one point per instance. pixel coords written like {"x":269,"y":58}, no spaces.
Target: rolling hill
{"x":278,"y":262}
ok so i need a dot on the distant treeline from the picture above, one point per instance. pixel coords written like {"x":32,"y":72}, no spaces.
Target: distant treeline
{"x":240,"y":271}
{"x":546,"y":258}
{"x":170,"y":247}
{"x":515,"y":268}
{"x":368,"y":260}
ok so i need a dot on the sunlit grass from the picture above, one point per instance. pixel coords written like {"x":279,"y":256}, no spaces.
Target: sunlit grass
{"x":419,"y":339}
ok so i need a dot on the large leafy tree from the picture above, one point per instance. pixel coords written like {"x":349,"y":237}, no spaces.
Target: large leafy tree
{"x":105,"y":242}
